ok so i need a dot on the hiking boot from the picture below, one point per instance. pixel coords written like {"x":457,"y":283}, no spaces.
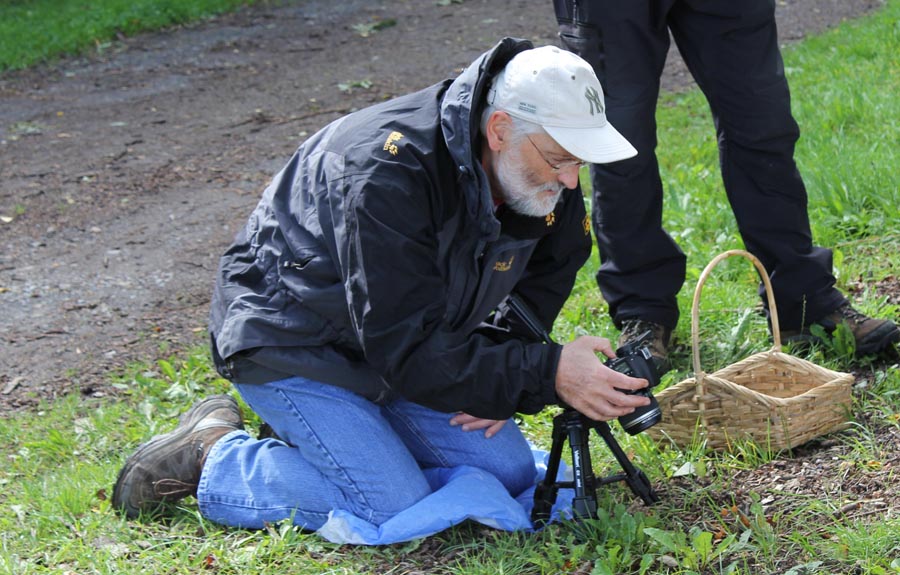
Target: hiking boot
{"x":660,"y":337}
{"x":168,"y":467}
{"x":871,"y":335}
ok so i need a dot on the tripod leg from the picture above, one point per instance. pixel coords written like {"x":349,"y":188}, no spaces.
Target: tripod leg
{"x":546,"y":491}
{"x":585,"y":502}
{"x":633,"y":476}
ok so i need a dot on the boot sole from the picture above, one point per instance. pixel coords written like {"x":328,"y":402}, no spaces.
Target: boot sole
{"x":186,"y":425}
{"x":873,"y":343}
{"x":878,"y":340}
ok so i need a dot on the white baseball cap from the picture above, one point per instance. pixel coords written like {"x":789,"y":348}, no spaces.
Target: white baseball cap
{"x":558,"y":90}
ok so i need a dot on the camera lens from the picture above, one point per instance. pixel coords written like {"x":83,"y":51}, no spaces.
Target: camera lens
{"x":642,"y":418}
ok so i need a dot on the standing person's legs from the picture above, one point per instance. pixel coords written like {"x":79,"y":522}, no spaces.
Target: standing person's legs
{"x":626,"y":42}
{"x":337,"y":451}
{"x":732,"y":51}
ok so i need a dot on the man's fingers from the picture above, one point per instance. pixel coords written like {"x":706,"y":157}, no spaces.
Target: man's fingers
{"x":589,"y":386}
{"x":622,"y":381}
{"x":601,"y":344}
{"x":462,"y":419}
{"x":609,"y":402}
{"x":603,"y":410}
{"x":620,"y":399}
{"x":493,"y":429}
{"x":471,"y":423}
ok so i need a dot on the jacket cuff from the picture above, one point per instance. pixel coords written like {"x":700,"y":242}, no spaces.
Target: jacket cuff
{"x":548,"y":381}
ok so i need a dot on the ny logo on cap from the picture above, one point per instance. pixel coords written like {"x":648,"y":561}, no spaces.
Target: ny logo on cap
{"x":593,"y":98}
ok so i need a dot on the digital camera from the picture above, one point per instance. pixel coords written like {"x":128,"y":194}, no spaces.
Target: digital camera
{"x":634,"y":360}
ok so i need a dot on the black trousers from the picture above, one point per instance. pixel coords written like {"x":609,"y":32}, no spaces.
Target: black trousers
{"x":731,"y":49}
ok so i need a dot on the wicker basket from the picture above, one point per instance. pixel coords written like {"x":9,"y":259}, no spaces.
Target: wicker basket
{"x":777,"y":400}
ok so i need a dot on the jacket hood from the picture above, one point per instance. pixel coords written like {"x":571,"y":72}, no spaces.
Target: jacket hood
{"x":460,"y":121}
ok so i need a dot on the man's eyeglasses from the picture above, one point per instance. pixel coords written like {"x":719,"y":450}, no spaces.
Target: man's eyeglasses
{"x":556,"y":168}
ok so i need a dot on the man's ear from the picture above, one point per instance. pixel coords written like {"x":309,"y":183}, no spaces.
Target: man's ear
{"x":498,"y":130}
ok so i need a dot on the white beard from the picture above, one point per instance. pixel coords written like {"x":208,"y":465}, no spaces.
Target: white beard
{"x":522,"y":193}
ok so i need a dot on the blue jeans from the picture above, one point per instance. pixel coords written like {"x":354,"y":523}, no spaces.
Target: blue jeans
{"x":341,"y":451}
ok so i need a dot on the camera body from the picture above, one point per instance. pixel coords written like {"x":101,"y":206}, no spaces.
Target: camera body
{"x":634,"y":360}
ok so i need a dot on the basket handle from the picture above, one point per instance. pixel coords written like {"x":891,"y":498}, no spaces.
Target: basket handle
{"x":695,"y":307}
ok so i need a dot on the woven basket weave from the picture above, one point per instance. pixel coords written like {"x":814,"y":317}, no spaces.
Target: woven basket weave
{"x":775,"y":399}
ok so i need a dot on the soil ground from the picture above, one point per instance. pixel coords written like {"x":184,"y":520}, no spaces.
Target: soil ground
{"x":125,"y":174}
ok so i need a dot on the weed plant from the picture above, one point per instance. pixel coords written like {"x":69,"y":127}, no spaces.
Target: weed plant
{"x":60,"y":461}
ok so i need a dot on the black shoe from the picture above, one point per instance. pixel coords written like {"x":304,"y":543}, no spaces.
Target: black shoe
{"x":168,"y":467}
{"x":659,"y":344}
{"x":871,"y":335}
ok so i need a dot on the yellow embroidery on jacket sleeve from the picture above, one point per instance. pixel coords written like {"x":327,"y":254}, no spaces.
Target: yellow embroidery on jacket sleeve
{"x":390,"y":145}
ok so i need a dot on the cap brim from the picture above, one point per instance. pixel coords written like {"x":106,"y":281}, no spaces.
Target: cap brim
{"x":595,"y":145}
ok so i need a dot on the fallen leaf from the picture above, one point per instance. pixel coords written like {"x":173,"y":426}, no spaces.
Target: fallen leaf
{"x":669,"y":561}
{"x":13,"y":383}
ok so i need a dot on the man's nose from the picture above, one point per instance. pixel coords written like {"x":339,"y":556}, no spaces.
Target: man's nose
{"x":568,"y":176}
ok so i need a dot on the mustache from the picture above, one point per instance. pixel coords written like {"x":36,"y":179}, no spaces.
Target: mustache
{"x":555,"y":187}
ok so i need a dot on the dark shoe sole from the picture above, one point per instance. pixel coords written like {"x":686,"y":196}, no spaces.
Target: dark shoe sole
{"x":875,"y":342}
{"x":878,"y":340}
{"x":186,"y":424}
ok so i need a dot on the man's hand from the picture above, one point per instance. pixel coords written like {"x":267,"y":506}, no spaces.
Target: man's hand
{"x":472,"y":423}
{"x":591,"y":388}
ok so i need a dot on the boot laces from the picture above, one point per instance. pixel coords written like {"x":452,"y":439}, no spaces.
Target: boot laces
{"x":851,"y":315}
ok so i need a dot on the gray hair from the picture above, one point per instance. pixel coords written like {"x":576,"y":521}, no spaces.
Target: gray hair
{"x":520,"y":128}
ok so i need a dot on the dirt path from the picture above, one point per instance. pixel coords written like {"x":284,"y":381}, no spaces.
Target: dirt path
{"x":124,"y":175}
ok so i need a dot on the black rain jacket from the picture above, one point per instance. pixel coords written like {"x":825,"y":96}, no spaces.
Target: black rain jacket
{"x":376,"y":253}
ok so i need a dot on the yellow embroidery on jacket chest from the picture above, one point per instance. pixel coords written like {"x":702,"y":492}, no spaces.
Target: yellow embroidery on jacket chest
{"x":504,"y":266}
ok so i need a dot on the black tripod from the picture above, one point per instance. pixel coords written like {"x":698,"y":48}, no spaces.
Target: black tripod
{"x":576,"y":427}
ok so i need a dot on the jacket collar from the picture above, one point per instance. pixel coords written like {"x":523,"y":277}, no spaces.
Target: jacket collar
{"x":460,"y":118}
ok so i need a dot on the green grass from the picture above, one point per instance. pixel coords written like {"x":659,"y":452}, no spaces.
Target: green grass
{"x":33,"y":31}
{"x":60,"y":461}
